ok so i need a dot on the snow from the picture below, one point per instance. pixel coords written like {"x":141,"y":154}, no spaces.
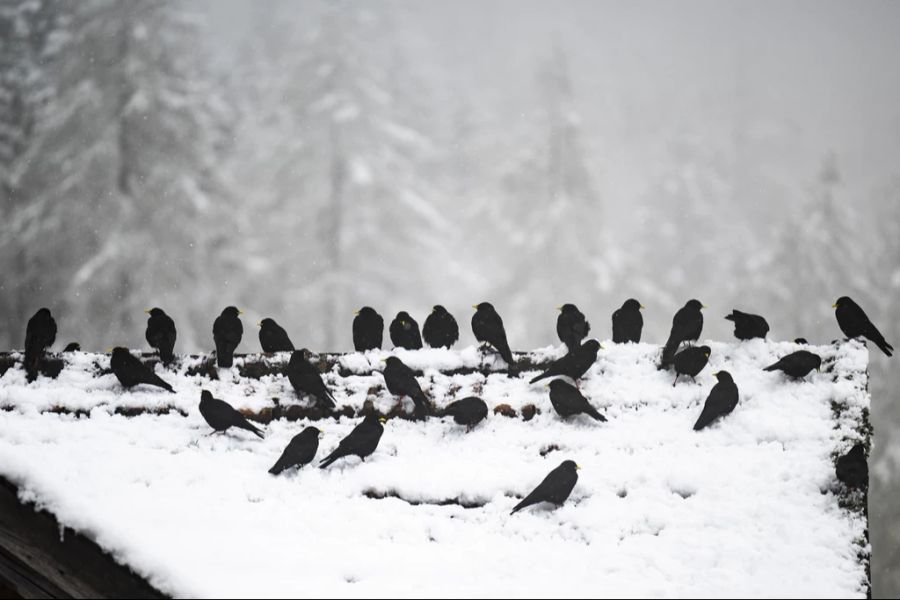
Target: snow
{"x":747,"y":507}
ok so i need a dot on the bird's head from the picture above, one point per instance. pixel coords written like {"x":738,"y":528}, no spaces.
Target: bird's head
{"x":632,"y":304}
{"x":366,"y":311}
{"x":557,"y":384}
{"x":567,"y":308}
{"x":403,"y":317}
{"x":570,"y":465}
{"x":695,"y":305}
{"x":392,"y":361}
{"x":483,"y":306}
{"x":155,"y":312}
{"x":706,"y":351}
{"x":437,"y":308}
{"x":723,"y":376}
{"x":43,"y":312}
{"x":592,"y":345}
{"x":231,"y":312}
{"x":206,"y":395}
{"x":382,"y":420}
{"x":843,"y":302}
{"x":267,"y":322}
{"x":119,"y":351}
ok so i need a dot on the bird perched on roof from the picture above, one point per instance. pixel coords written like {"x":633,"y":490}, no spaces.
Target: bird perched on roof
{"x":368,"y":329}
{"x":488,"y":329}
{"x":690,"y":362}
{"x":852,"y":469}
{"x":362,"y":441}
{"x":567,"y":401}
{"x":161,"y":334}
{"x":854,"y":322}
{"x":797,"y":364}
{"x":468,"y":411}
{"x":747,"y":326}
{"x":273,"y":337}
{"x":401,"y":381}
{"x":722,"y":399}
{"x":405,"y":332}
{"x":221,"y":416}
{"x":574,"y":364}
{"x":555,"y":488}
{"x":627,"y":322}
{"x":300,"y":451}
{"x":72,"y":347}
{"x":306,"y":379}
{"x":130,"y":371}
{"x":571,"y":326}
{"x":227,"y":333}
{"x":40,"y":333}
{"x":440,"y":329}
{"x":687,"y":324}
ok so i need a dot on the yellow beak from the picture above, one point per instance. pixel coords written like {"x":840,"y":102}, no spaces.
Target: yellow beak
{"x":259,"y":324}
{"x":643,"y":307}
{"x":559,"y":308}
{"x":147,"y":310}
{"x":716,"y":373}
{"x":355,"y":312}
{"x":108,"y":349}
{"x":381,"y":419}
{"x":702,"y":306}
{"x":475,"y":306}
{"x":577,"y":467}
{"x":834,"y":305}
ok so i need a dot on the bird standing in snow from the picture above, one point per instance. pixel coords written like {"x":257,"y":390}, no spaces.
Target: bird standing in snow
{"x":627,"y":322}
{"x":405,"y":332}
{"x":300,"y":451}
{"x":273,"y":337}
{"x":401,"y":381}
{"x":722,"y":399}
{"x":440,"y":329}
{"x":797,"y":364}
{"x":161,"y":334}
{"x":687,"y":324}
{"x":574,"y":364}
{"x":488,"y":329}
{"x":568,"y":401}
{"x":852,"y":468}
{"x":854,"y":322}
{"x":469,"y":411}
{"x":571,"y":326}
{"x":130,"y":371}
{"x":221,"y":416}
{"x":747,"y":326}
{"x":227,"y":333}
{"x":361,"y":442}
{"x":306,"y":379}
{"x":368,"y":329}
{"x":555,"y":488}
{"x":40,"y":333}
{"x":690,"y":362}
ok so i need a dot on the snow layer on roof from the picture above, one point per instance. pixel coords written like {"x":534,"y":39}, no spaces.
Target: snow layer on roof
{"x":745,"y":508}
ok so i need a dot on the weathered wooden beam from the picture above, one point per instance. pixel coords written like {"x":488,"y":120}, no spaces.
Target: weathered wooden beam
{"x":38,"y":560}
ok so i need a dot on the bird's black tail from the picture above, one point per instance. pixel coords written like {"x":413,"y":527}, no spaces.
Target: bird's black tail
{"x":704,"y":420}
{"x":158,"y":381}
{"x":543,"y":375}
{"x":774,"y":367}
{"x":594,"y":413}
{"x":525,"y":503}
{"x":32,"y":365}
{"x":883,"y":345}
{"x":330,"y":459}
{"x":506,"y":355}
{"x":252,"y":428}
{"x":668,"y":353}
{"x":277,"y":468}
{"x":166,"y":356}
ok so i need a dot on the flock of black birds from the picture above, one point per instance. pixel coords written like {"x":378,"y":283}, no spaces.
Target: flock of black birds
{"x":441,"y":330}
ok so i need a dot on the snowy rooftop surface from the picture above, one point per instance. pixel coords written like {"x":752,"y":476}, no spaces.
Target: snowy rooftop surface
{"x":748,"y":507}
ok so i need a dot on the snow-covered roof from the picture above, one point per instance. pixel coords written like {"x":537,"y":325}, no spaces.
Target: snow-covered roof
{"x":748,"y":507}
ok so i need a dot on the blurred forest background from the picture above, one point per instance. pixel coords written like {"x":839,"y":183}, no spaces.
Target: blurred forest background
{"x":300,"y":160}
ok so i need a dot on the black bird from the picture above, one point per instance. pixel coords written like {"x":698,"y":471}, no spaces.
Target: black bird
{"x":273,"y":337}
{"x":227,"y":333}
{"x":574,"y":364}
{"x":801,"y":341}
{"x":468,"y":411}
{"x":220,"y":415}
{"x":72,"y":347}
{"x":690,"y":362}
{"x":405,"y":332}
{"x":687,"y":324}
{"x":854,"y":322}
{"x":488,"y":329}
{"x":440,"y":329}
{"x":161,"y":334}
{"x":306,"y":379}
{"x":797,"y":364}
{"x":130,"y":371}
{"x":301,"y":450}
{"x":568,"y":401}
{"x":852,"y":469}
{"x":40,"y":333}
{"x":362,"y":441}
{"x":555,"y":488}
{"x":401,"y":381}
{"x":368,"y":329}
{"x":722,"y":399}
{"x":747,"y":326}
{"x":627,"y":322}
{"x":571,"y":326}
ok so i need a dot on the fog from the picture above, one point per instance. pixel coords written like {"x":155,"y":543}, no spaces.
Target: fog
{"x":300,"y":160}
